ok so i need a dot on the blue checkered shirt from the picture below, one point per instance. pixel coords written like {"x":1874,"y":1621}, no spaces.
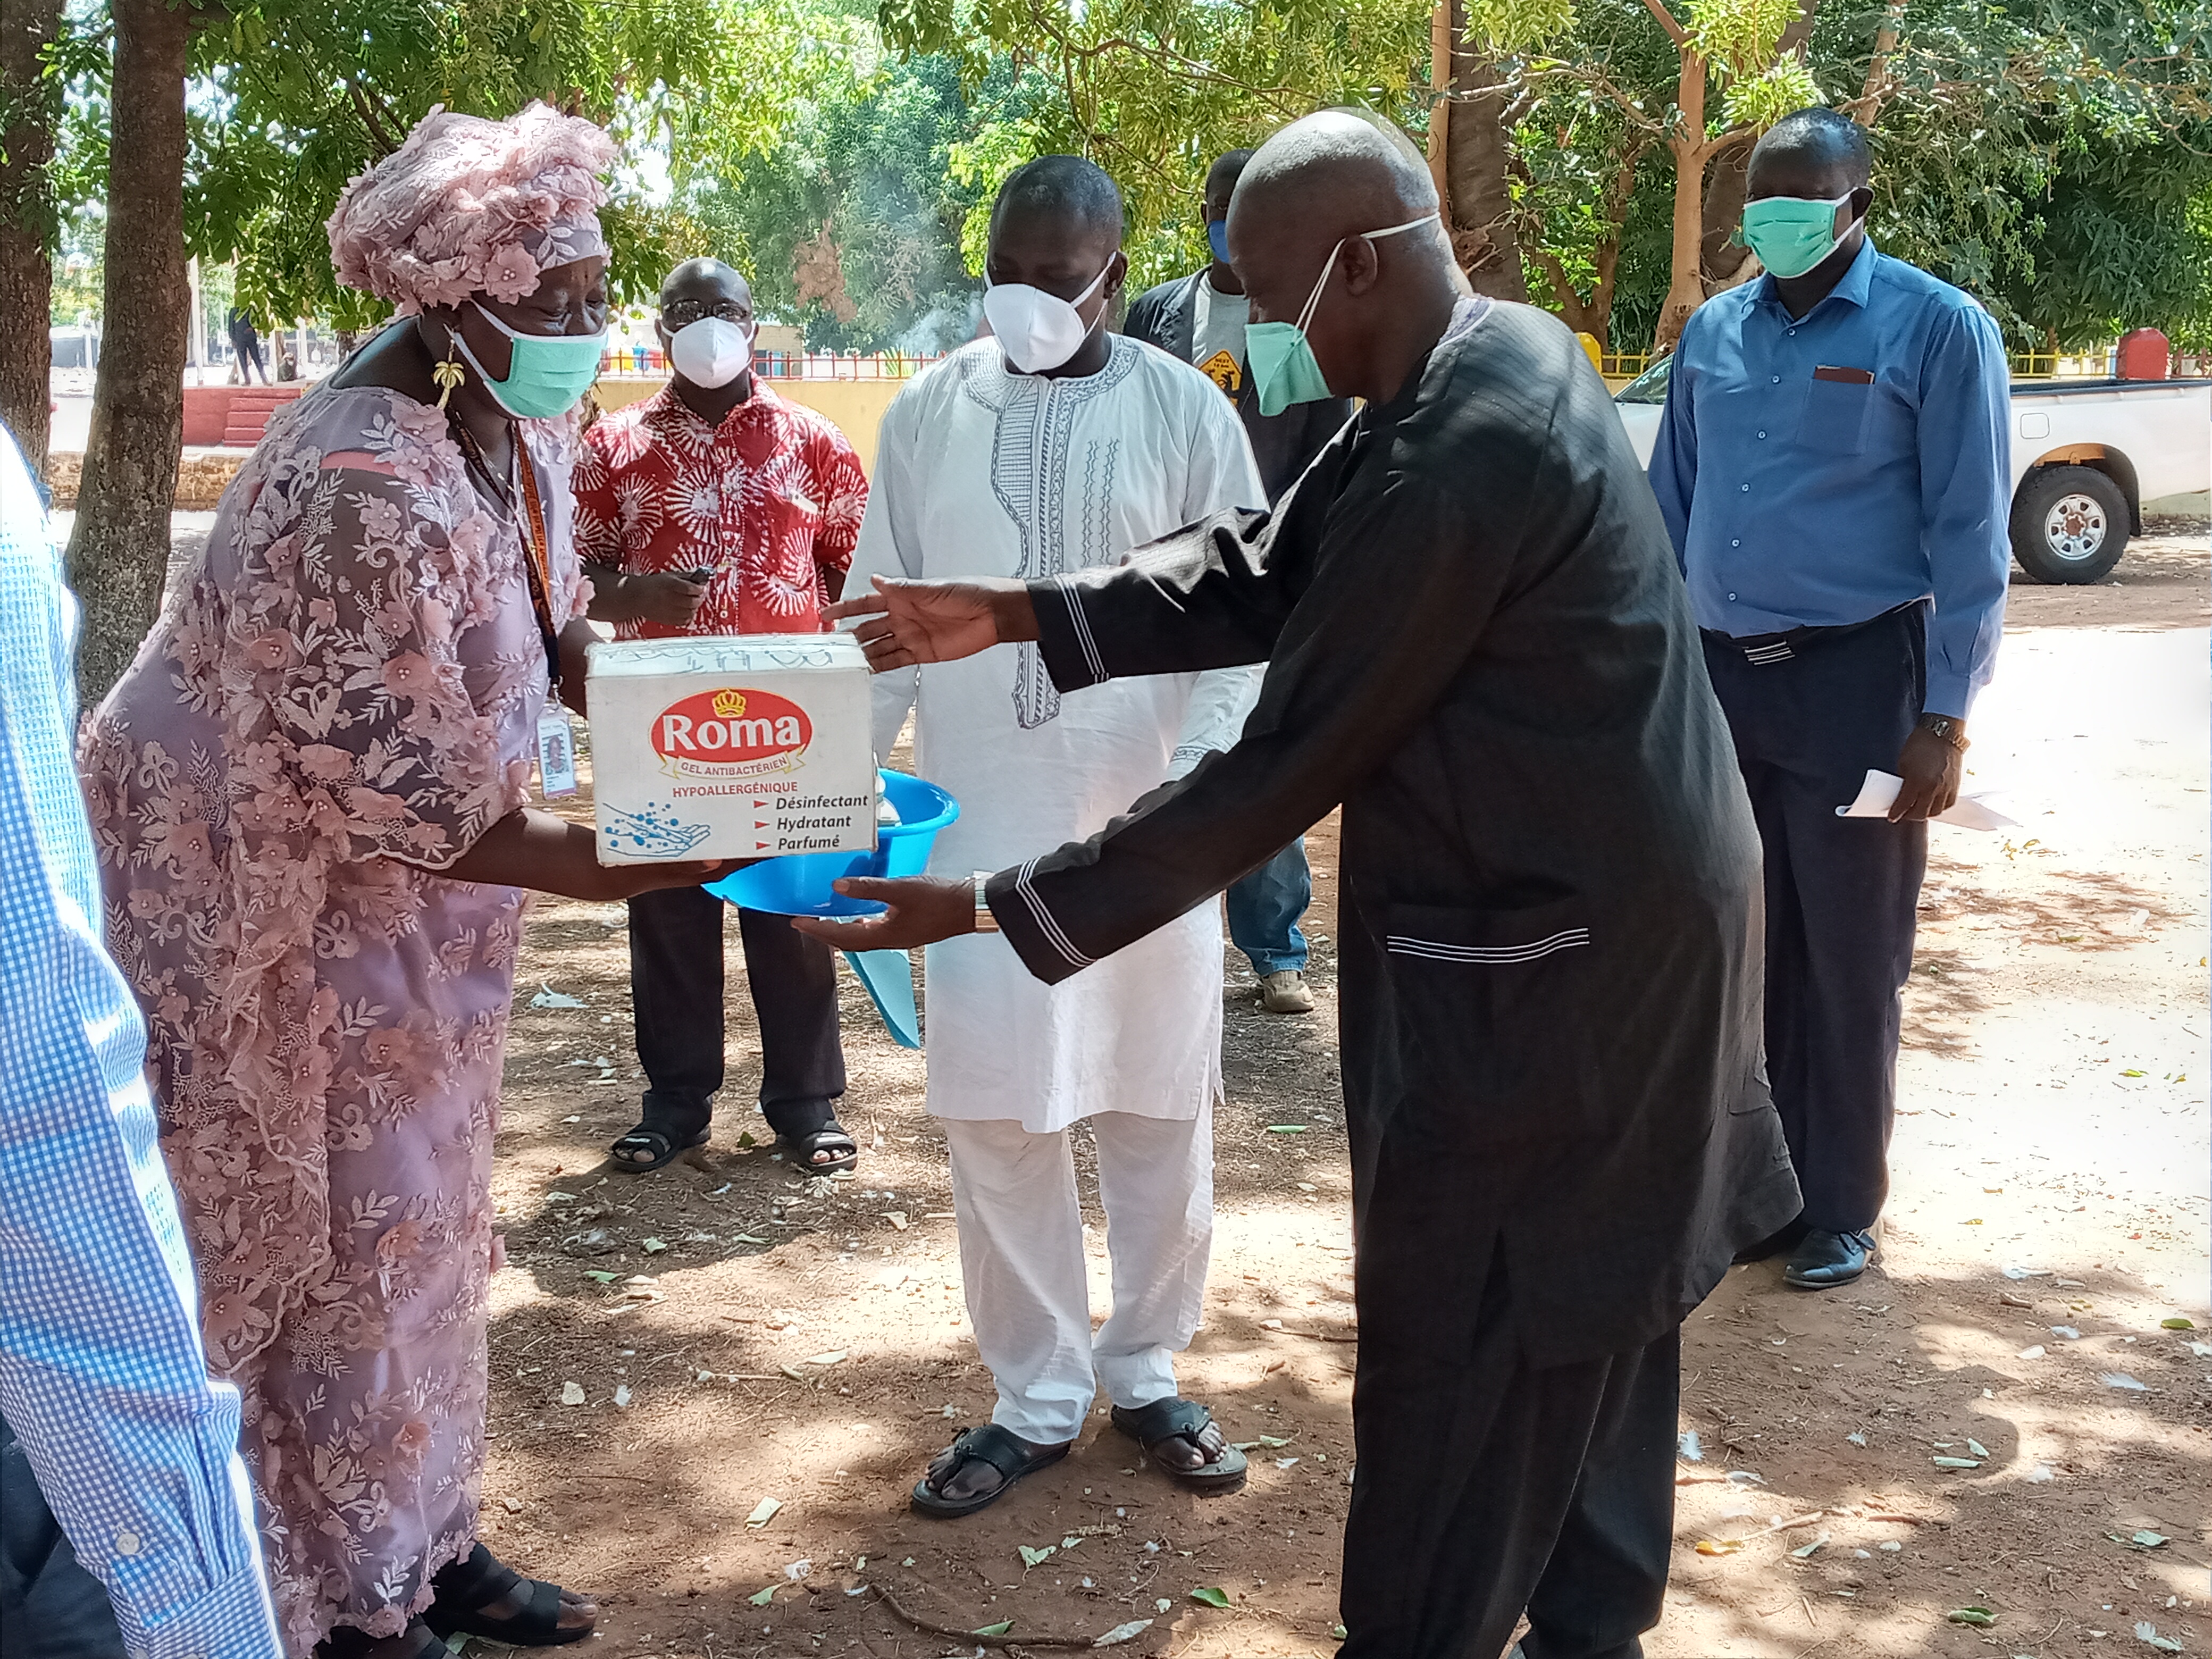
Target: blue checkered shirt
{"x":100,"y":1372}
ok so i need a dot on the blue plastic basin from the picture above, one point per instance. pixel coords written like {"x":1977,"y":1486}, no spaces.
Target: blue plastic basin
{"x":799,"y":884}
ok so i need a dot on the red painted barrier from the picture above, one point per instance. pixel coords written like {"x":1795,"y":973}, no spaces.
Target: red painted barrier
{"x":637,"y":362}
{"x":232,"y":417}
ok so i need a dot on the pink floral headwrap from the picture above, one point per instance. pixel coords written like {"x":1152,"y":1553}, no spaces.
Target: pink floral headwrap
{"x":470,"y":206}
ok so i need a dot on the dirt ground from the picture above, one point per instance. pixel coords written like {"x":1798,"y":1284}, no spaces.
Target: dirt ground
{"x":752,"y":1341}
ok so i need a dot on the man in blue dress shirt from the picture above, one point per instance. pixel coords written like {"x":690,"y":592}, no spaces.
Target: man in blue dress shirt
{"x":1833,"y":468}
{"x":126,"y":1525}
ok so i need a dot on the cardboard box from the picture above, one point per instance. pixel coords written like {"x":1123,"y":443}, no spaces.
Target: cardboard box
{"x":743,"y":747}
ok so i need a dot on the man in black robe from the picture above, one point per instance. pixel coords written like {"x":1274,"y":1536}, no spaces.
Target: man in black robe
{"x":1479,"y":646}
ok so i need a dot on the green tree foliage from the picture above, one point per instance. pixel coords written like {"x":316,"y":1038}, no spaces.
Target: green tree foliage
{"x":2046,"y":160}
{"x":2043,"y":157}
{"x":1594,"y":178}
{"x":294,"y":97}
{"x":853,"y":224}
{"x":1154,"y":89}
{"x":2049,"y":155}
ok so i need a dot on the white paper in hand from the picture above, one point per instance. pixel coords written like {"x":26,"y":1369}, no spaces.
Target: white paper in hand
{"x":1879,"y":793}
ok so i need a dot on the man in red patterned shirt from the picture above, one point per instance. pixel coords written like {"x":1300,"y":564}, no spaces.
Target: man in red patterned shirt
{"x":715,"y":506}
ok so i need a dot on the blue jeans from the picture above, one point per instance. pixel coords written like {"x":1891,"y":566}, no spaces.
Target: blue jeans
{"x":1264,"y":908}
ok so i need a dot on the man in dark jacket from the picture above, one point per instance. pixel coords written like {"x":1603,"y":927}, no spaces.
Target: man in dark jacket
{"x":245,"y":340}
{"x":1201,"y":318}
{"x":1479,"y":646}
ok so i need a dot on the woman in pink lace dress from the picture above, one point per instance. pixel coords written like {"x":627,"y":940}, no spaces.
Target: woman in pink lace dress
{"x":309,"y":794}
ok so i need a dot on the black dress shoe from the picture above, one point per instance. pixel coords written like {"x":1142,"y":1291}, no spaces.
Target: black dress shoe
{"x":1825,"y":1259}
{"x":1773,"y":1244}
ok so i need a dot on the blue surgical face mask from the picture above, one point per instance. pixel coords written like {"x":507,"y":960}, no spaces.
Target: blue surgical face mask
{"x":1217,"y":237}
{"x":1792,"y":234}
{"x":547,"y":375}
{"x":1284,"y":368}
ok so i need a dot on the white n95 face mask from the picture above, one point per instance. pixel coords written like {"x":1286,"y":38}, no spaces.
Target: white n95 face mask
{"x":1038,"y":331}
{"x":710,"y":352}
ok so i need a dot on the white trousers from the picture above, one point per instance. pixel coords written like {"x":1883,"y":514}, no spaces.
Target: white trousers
{"x":1021,"y":1255}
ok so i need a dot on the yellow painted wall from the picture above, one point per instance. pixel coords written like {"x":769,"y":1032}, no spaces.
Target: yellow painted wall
{"x":857,"y":406}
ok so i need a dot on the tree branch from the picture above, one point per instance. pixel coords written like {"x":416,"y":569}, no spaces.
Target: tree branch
{"x":1563,"y":286}
{"x":1285,"y":100}
{"x":1704,"y":154}
{"x":977,"y":1636}
{"x":1874,"y":90}
{"x":1675,"y":31}
{"x":1600,"y":81}
{"x":1727,"y":142}
{"x":1798,"y":37}
{"x":365,"y":109}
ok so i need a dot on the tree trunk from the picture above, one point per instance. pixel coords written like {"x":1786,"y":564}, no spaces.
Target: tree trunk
{"x":1478,"y":149}
{"x":26,"y":271}
{"x":1588,"y":316}
{"x":1722,"y":260}
{"x":118,"y":553}
{"x":1440,"y":78}
{"x":1687,"y":290}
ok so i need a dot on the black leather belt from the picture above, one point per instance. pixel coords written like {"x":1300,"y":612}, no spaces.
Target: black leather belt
{"x":1764,"y":650}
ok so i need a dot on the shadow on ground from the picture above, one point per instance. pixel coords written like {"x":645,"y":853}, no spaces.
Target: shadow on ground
{"x":2159,"y":584}
{"x":828,"y":1319}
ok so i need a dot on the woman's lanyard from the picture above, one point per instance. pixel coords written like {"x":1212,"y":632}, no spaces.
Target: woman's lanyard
{"x":530,"y":524}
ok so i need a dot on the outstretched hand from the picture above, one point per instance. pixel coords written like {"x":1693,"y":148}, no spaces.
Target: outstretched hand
{"x":903,"y":623}
{"x":923,"y":910}
{"x":534,"y":849}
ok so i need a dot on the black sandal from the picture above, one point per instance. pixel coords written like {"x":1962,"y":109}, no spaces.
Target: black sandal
{"x":660,"y":1148}
{"x":1164,"y":1420}
{"x":1005,"y":1451}
{"x":347,"y":1643}
{"x":463,"y":1588}
{"x":830,"y":1137}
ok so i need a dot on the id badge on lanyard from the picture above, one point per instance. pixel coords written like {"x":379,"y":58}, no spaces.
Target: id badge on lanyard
{"x":557,"y":753}
{"x":557,"y":738}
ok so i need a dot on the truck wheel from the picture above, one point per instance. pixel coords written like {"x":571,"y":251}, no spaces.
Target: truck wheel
{"x":2069,"y":524}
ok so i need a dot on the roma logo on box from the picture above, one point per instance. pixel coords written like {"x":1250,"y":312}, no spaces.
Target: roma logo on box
{"x":731,"y":733}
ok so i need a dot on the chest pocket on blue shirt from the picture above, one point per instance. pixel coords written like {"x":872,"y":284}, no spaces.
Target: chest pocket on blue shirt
{"x":1836,"y":416}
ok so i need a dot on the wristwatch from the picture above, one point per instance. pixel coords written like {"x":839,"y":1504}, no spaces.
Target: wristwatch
{"x":1952,"y":732}
{"x":986,"y":920}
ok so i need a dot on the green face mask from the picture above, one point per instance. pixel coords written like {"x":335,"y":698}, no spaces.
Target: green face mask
{"x":547,"y":375}
{"x":1284,"y":368}
{"x":1791,"y":233}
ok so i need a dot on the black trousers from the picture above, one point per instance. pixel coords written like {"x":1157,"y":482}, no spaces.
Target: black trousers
{"x":50,"y":1607}
{"x":248,"y":347}
{"x":676,"y":988}
{"x":1486,"y":1487}
{"x":1809,"y":721}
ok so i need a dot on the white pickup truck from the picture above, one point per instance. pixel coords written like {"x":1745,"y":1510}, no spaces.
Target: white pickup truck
{"x":2086,"y":456}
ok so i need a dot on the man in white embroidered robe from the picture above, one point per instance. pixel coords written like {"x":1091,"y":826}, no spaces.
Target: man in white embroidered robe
{"x":1051,"y":447}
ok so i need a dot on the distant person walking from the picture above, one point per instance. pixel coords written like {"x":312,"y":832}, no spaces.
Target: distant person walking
{"x":1201,"y":318}
{"x":245,"y":340}
{"x":1833,"y":468}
